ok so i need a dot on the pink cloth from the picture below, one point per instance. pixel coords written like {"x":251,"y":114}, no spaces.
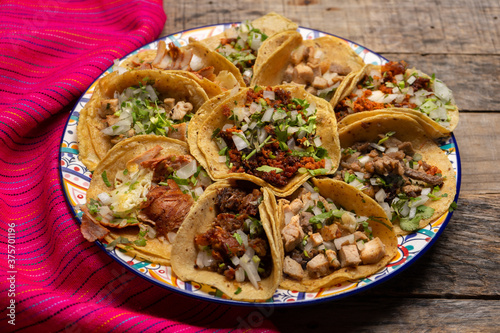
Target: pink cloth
{"x":50,"y":52}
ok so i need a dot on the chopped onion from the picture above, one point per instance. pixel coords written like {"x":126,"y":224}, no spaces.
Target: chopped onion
{"x":244,"y":127}
{"x":411,"y":79}
{"x":255,"y":107}
{"x":380,"y":195}
{"x":329,"y":245}
{"x":309,"y":245}
{"x":269,"y":94}
{"x":239,"y":142}
{"x":413,"y":212}
{"x":419,"y":201}
{"x":426,"y":191}
{"x":308,"y":187}
{"x":442,"y":91}
{"x":261,"y":135}
{"x":294,"y":114}
{"x":360,"y":244}
{"x":267,"y":115}
{"x":199,"y":190}
{"x":317,"y":141}
{"x":378,"y":147}
{"x":239,"y":274}
{"x":311,"y":109}
{"x":152,"y":93}
{"x":316,"y":210}
{"x":187,"y":170}
{"x":119,"y":127}
{"x":291,"y":143}
{"x":235,"y":260}
{"x":244,"y":237}
{"x":105,"y":198}
{"x":196,"y":63}
{"x":227,"y":126}
{"x":292,"y":129}
{"x":392,"y":150}
{"x":387,"y":208}
{"x":249,"y":267}
{"x":399,"y":77}
{"x":363,"y":160}
{"x":252,"y":125}
{"x":342,"y":240}
{"x":360,"y":175}
{"x":171,"y":236}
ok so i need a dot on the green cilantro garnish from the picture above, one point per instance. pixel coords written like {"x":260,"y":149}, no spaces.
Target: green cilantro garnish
{"x":105,"y":178}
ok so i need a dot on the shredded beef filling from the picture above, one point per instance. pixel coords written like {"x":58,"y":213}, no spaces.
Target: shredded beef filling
{"x":235,"y":207}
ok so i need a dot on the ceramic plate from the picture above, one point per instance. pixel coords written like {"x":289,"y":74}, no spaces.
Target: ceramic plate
{"x":76,"y":178}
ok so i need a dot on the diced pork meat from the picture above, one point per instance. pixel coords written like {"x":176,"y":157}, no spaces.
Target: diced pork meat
{"x":292,"y":234}
{"x":222,"y":243}
{"x":329,"y":232}
{"x":180,"y":110}
{"x":178,"y":132}
{"x":316,"y":239}
{"x":167,"y":206}
{"x":108,"y":107}
{"x":333,"y":261}
{"x":373,"y":251}
{"x":318,"y":266}
{"x":293,"y":269}
{"x":91,"y":229}
{"x":349,"y":256}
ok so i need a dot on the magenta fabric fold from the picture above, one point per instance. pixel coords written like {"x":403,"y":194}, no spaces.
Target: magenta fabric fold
{"x":52,"y":280}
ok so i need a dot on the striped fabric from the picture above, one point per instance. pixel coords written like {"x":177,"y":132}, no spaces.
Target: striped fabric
{"x":52,"y":280}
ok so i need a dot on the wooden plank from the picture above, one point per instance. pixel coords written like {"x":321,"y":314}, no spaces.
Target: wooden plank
{"x":384,"y":314}
{"x":478,"y":138}
{"x":464,"y":260}
{"x":426,"y":26}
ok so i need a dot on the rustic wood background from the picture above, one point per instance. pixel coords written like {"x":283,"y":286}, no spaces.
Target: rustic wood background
{"x":455,"y":286}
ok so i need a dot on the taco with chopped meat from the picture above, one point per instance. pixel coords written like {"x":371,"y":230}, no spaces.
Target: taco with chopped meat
{"x":389,"y":158}
{"x":319,"y":65}
{"x":228,"y":242}
{"x":140,"y":194}
{"x":393,"y":87}
{"x":135,"y":103}
{"x":248,"y":45}
{"x":211,"y":70}
{"x":331,"y":233}
{"x":276,"y":137}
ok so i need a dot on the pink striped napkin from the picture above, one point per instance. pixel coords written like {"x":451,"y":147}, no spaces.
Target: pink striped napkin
{"x":52,"y":280}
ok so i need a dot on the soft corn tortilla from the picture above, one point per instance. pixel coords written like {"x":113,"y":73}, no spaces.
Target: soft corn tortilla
{"x":351,"y":199}
{"x":92,"y":143}
{"x":199,"y":220}
{"x":270,"y":24}
{"x":432,"y":128}
{"x":335,"y":51}
{"x":222,"y":68}
{"x":407,"y":129}
{"x":116,"y":160}
{"x":205,"y":149}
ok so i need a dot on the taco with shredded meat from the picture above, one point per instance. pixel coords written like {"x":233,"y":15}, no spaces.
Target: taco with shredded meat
{"x":319,"y":65}
{"x":248,"y":45}
{"x":389,"y":158}
{"x":228,"y":241}
{"x":140,"y":194}
{"x":136,"y":103}
{"x":211,"y":70}
{"x":276,"y":137}
{"x":331,"y":232}
{"x":395,"y":88}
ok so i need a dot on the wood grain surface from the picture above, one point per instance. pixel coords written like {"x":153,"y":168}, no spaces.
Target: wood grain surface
{"x":454,"y":286}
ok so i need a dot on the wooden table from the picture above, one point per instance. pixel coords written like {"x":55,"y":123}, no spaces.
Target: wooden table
{"x":455,"y":286}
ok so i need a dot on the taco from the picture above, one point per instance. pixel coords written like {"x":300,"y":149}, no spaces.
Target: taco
{"x":139,"y":195}
{"x":391,"y":159}
{"x":250,"y":44}
{"x":213,"y":72}
{"x":320,"y":65}
{"x":228,"y":242}
{"x":133,"y":103}
{"x":276,"y":137}
{"x":396,"y":88}
{"x":330,"y":234}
